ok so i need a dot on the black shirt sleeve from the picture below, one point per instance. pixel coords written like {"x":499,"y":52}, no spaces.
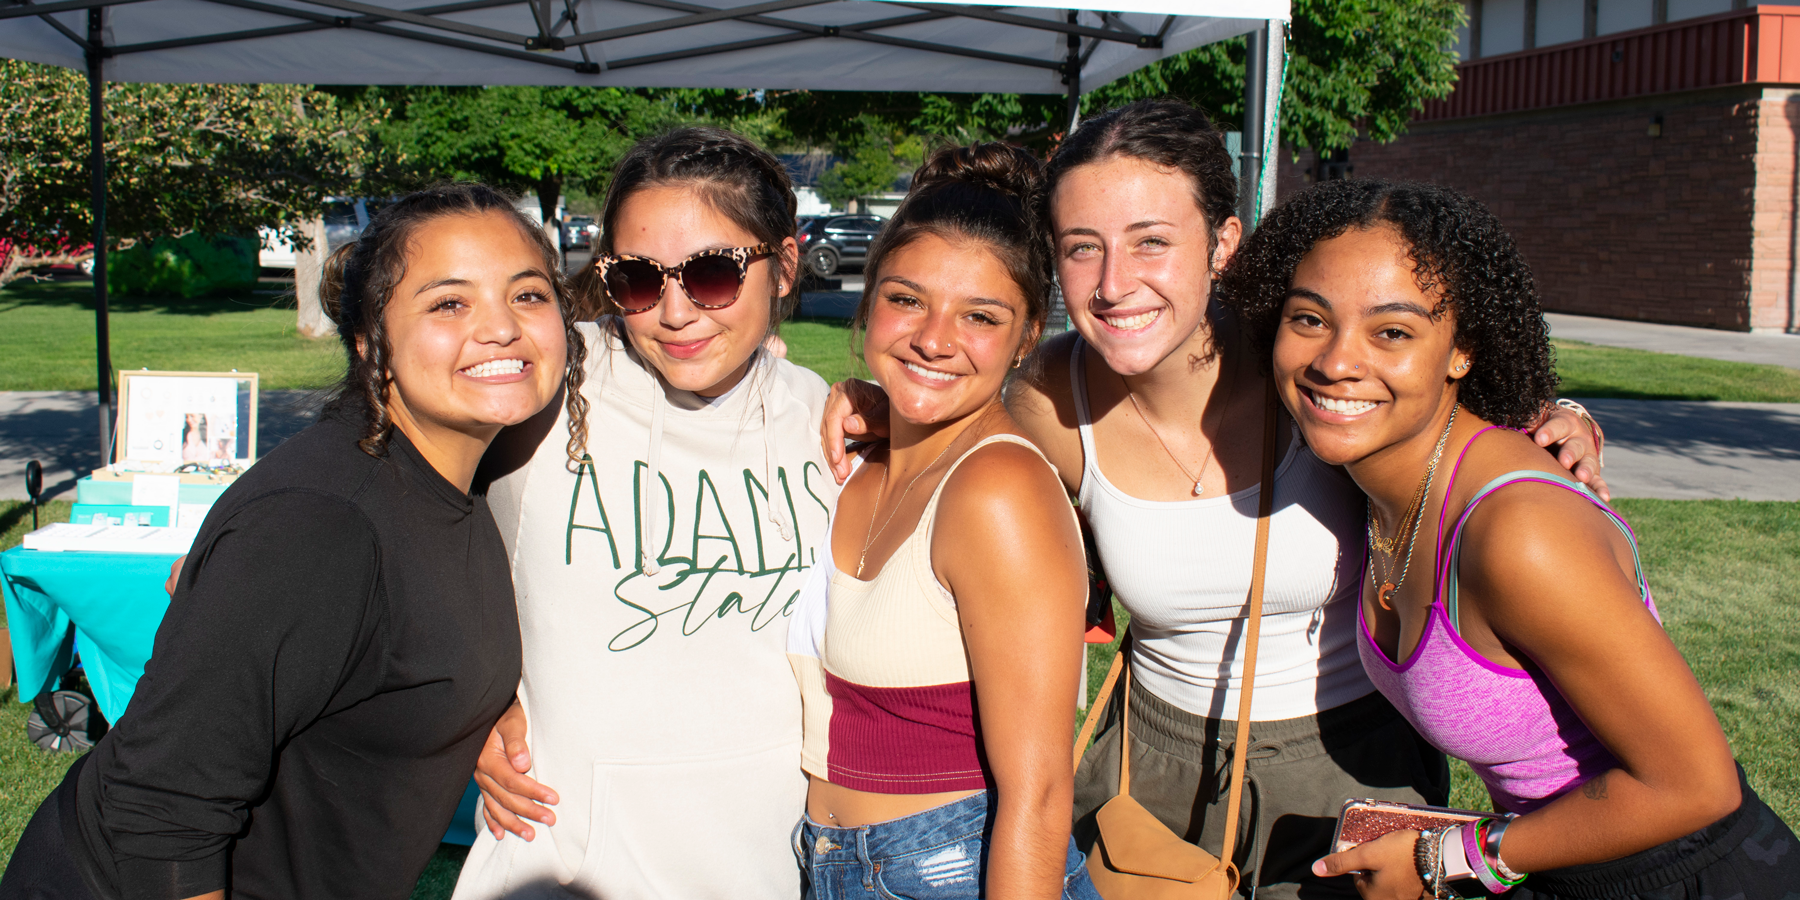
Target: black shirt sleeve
{"x":267,"y":620}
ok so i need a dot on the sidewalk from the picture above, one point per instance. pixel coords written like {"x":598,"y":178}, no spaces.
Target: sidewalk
{"x":61,"y":430}
{"x":1672,"y":449}
{"x":1732,"y":346}
{"x":1691,"y":450}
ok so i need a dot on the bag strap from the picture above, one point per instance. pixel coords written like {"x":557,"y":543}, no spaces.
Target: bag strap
{"x":1106,"y":690}
{"x":1264,"y":505}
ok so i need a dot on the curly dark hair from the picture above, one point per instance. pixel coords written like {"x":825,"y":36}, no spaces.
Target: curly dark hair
{"x":1457,"y":246}
{"x":740,"y":179}
{"x":360,"y":278}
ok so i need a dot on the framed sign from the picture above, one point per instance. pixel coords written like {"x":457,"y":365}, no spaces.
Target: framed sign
{"x":171,"y":419}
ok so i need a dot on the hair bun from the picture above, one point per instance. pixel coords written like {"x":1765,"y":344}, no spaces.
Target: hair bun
{"x":1004,"y":168}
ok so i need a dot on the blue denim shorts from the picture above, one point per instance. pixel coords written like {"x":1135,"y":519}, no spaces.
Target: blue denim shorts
{"x":938,"y":854}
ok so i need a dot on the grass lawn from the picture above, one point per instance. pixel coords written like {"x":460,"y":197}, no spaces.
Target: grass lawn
{"x":47,"y":338}
{"x":1592,"y":371}
{"x":1726,"y":577}
{"x":47,"y":343}
{"x":822,"y":345}
{"x":1726,"y":573}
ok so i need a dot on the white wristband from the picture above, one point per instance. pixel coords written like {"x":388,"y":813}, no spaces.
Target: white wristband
{"x":1456,"y":863}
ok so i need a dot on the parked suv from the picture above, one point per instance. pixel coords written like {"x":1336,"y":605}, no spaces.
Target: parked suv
{"x":832,"y":241}
{"x":581,"y":232}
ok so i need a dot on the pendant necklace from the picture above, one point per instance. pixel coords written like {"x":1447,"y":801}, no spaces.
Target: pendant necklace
{"x":1409,"y":525}
{"x":1199,"y":489}
{"x":869,"y":541}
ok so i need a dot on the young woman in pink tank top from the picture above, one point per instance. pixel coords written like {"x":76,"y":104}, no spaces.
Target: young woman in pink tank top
{"x":1504,"y":612}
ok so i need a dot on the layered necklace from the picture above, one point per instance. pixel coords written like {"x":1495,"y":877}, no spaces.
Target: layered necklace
{"x":1380,"y":547}
{"x":1211,"y":446}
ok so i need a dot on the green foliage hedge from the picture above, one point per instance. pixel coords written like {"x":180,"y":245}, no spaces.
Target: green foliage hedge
{"x":187,"y":266}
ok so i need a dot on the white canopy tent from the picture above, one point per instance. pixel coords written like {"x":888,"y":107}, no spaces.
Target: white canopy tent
{"x":1011,"y":46}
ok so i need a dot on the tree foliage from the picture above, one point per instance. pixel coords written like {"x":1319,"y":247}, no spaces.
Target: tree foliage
{"x":181,"y":158}
{"x":1355,"y":66}
{"x":541,"y":139}
{"x":874,"y":156}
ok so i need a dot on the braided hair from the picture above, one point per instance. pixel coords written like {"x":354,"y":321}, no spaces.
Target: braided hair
{"x":360,"y":278}
{"x":744,"y":182}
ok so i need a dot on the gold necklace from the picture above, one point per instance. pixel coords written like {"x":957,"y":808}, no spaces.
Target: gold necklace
{"x":1211,"y":448}
{"x":869,"y":541}
{"x":1410,"y":522}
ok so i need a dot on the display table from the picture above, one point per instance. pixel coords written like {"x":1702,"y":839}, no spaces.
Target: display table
{"x":114,"y":602}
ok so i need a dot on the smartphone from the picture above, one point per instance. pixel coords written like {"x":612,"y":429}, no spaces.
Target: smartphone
{"x":1361,"y":821}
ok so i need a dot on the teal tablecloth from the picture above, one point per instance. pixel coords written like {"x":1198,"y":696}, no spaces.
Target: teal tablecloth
{"x":114,"y":600}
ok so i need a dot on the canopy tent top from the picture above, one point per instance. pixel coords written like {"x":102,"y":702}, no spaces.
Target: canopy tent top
{"x":975,"y":46}
{"x":1023,"y":46}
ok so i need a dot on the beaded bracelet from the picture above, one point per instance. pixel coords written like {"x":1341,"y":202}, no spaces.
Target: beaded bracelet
{"x":1428,"y":860}
{"x":1489,"y":832}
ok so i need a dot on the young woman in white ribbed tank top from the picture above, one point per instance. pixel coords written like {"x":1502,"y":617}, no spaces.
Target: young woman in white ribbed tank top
{"x":1151,"y":412}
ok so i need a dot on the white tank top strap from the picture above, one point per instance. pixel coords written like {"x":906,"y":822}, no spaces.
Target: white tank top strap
{"x":1084,"y":417}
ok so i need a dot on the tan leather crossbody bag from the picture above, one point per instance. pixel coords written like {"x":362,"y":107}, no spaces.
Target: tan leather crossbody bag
{"x":1137,"y":857}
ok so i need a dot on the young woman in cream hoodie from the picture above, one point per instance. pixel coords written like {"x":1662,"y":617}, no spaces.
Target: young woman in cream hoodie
{"x":655,"y":578}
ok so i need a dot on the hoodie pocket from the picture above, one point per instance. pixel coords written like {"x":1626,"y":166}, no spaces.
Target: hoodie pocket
{"x":646,"y":816}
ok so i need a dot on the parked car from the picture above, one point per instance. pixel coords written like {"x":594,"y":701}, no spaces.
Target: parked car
{"x":581,"y":231}
{"x":345,"y":219}
{"x":828,"y":242}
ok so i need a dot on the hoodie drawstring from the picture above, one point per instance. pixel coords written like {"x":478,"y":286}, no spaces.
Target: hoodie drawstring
{"x":776,"y":515}
{"x":649,"y":524}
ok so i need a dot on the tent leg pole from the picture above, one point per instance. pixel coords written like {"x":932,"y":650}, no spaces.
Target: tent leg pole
{"x":1256,"y":76}
{"x":97,"y":172}
{"x":1072,"y":112}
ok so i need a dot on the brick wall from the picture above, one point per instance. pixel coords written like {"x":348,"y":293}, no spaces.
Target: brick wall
{"x":1773,"y":248}
{"x":1692,"y":227}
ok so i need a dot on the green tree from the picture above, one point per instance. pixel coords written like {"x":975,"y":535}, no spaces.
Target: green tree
{"x":1354,"y":65}
{"x":542,"y":139}
{"x":874,"y":156}
{"x":181,"y":158}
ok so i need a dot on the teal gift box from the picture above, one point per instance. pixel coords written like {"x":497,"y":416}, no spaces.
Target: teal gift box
{"x":118,"y":493}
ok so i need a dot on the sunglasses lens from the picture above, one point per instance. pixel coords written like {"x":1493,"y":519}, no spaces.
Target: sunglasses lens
{"x":635,"y":285}
{"x":712,"y":281}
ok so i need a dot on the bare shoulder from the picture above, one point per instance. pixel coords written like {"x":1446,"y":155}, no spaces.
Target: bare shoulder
{"x":1003,"y":481}
{"x":1537,"y":541}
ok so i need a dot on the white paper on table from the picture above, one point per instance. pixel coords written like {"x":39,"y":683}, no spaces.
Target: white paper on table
{"x":156,"y":490}
{"x":190,"y":515}
{"x":111,"y":538}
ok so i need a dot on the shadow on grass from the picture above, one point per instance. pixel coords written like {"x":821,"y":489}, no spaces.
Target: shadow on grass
{"x":75,"y":294}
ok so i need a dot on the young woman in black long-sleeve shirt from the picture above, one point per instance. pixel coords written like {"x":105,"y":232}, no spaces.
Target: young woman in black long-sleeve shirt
{"x":343,"y":633}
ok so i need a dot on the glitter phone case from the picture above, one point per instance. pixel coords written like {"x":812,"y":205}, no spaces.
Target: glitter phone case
{"x":1362,"y":821}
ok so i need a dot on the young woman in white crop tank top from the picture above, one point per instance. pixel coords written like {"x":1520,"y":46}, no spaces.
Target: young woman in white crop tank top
{"x":1151,"y":413}
{"x":945,"y":648}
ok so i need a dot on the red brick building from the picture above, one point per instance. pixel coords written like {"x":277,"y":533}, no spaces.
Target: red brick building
{"x":1647,"y":168}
